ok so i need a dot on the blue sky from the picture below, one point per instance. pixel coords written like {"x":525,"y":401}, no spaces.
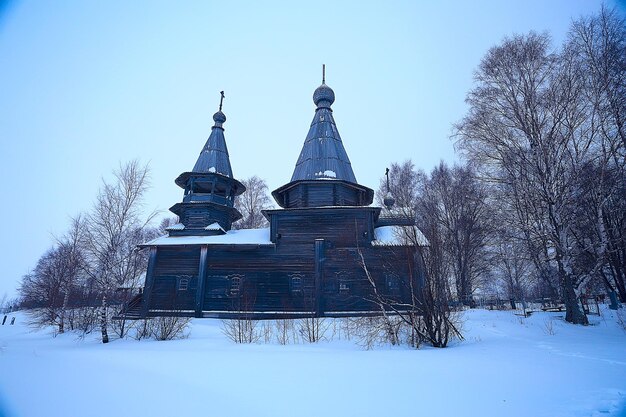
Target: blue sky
{"x":87,"y":85}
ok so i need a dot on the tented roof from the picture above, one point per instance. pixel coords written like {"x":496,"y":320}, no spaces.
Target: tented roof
{"x":323,"y":155}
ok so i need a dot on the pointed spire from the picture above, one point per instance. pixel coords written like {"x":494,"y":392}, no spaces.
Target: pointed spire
{"x":210,"y":188}
{"x":323,"y":154}
{"x":323,"y":157}
{"x":214,"y":156}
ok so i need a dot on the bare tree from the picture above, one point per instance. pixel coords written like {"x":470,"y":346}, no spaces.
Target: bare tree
{"x":442,"y":207}
{"x":546,"y":130}
{"x":598,"y":45}
{"x":41,"y":289}
{"x":512,"y":269}
{"x":428,"y":315}
{"x":457,"y":202}
{"x":528,"y":128}
{"x":55,"y":280}
{"x":251,"y":203}
{"x":114,"y":228}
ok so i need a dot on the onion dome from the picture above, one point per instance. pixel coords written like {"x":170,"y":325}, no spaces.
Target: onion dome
{"x":389,"y":201}
{"x":219,"y":118}
{"x":324,"y":96}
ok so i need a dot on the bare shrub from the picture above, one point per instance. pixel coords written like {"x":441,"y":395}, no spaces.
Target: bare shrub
{"x":142,"y":329}
{"x":267,"y":331}
{"x":124,"y":328}
{"x":376,"y":331}
{"x":241,"y":330}
{"x":286,"y":331}
{"x":84,"y":320}
{"x":312,"y":329}
{"x":169,"y":328}
{"x":620,"y":316}
{"x":548,"y":327}
{"x":345,"y":328}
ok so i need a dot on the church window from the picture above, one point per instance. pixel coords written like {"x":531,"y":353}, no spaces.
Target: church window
{"x":235,"y":284}
{"x":295,"y":283}
{"x":183,"y":284}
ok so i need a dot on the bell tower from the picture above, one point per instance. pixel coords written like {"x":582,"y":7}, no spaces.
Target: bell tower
{"x":210,"y":188}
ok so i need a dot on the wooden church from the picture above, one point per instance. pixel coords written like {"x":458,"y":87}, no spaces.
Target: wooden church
{"x":327,"y":250}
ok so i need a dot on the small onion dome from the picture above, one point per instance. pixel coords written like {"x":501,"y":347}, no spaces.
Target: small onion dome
{"x":219,"y":117}
{"x":323,"y":96}
{"x":389,"y":201}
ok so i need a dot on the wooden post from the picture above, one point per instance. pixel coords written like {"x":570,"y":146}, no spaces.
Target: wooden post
{"x":201,"y":281}
{"x":319,"y":276}
{"x":147,"y":292}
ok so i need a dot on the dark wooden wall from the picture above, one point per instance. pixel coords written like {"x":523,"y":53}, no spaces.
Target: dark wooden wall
{"x":314,"y":266}
{"x":340,"y":226}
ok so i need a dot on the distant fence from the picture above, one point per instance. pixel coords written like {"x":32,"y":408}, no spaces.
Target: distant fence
{"x":590,"y":304}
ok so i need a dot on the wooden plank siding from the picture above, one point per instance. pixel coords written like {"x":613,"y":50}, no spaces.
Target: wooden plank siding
{"x":314,"y":267}
{"x":341,"y":226}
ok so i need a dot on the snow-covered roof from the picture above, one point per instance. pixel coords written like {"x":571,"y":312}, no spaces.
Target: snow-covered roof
{"x":398,"y":235}
{"x":214,"y":226}
{"x":232,"y":237}
{"x":177,"y":226}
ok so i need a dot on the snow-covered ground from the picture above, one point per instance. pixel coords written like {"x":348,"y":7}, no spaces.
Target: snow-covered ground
{"x":508,"y":366}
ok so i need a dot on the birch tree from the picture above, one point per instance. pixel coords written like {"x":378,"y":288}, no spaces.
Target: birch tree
{"x":114,"y":228}
{"x":528,"y":128}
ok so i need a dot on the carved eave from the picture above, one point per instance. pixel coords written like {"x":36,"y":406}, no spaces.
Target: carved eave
{"x":196,"y":216}
{"x":322,"y":192}
{"x":204,"y":181}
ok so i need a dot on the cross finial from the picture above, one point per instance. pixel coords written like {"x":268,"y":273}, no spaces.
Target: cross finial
{"x":387,"y":175}
{"x":221,"y":99}
{"x":323,"y":73}
{"x":388,"y":201}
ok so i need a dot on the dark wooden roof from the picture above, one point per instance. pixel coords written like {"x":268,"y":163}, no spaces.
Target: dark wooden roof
{"x":323,"y":155}
{"x":210,"y":188}
{"x":221,"y":183}
{"x":214,"y":156}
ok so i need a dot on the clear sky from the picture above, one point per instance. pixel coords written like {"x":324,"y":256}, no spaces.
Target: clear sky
{"x":87,"y":85}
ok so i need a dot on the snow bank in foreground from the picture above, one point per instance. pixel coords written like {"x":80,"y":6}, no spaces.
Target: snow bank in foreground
{"x":508,"y":366}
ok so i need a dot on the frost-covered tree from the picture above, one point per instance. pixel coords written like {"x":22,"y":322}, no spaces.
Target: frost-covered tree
{"x":55,"y":282}
{"x":454,"y":200}
{"x":114,"y":227}
{"x":537,"y":120}
{"x":250,"y":204}
{"x":598,"y":45}
{"x":457,"y":202}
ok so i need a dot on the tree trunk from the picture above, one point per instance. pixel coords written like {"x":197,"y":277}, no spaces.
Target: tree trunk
{"x":103,"y":321}
{"x":573,"y":312}
{"x":63,"y":310}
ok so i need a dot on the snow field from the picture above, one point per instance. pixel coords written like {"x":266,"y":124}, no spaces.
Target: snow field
{"x":507,"y":366}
